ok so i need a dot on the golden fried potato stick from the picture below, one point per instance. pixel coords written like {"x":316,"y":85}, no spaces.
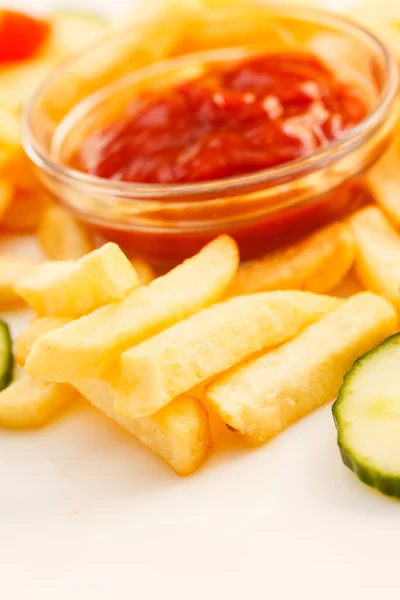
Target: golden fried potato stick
{"x":383,"y":181}
{"x":263,"y":397}
{"x":349,"y":286}
{"x":166,"y":365}
{"x":27,"y":403}
{"x":377,"y":263}
{"x":316,"y":264}
{"x":75,"y":288}
{"x":11,"y":268}
{"x":85,"y":348}
{"x":384,"y":23}
{"x":23,"y":213}
{"x":144,"y":270}
{"x":6,"y":196}
{"x":11,"y":152}
{"x":32,"y":332}
{"x":61,"y":236}
{"x":179,"y":433}
{"x":156,"y":27}
{"x":246,"y":24}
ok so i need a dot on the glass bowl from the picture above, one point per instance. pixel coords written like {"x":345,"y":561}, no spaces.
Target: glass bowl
{"x":165,"y":223}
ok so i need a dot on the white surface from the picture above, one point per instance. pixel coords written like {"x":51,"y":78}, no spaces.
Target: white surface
{"x":86,"y":513}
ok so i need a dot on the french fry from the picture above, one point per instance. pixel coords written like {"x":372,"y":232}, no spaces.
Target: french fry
{"x":32,"y":332}
{"x":207,"y":4}
{"x":348,"y":287}
{"x":384,"y":182}
{"x":61,"y":236}
{"x":74,"y":30}
{"x":377,"y":263}
{"x":75,"y":288}
{"x":245,"y":25}
{"x":169,"y":364}
{"x":144,"y":270}
{"x":10,"y":161}
{"x":154,"y":12}
{"x":373,"y":218}
{"x":27,"y":403}
{"x":22,"y":215}
{"x":261,"y":398}
{"x":385,"y":23}
{"x":179,"y":433}
{"x":154,"y":40}
{"x":6,"y":196}
{"x":10,"y":127}
{"x":27,"y":180}
{"x":316,"y":264}
{"x":11,"y":268}
{"x":19,"y":81}
{"x":84,"y":349}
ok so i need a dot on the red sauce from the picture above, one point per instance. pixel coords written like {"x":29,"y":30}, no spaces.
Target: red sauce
{"x":21,"y":36}
{"x":236,"y":119}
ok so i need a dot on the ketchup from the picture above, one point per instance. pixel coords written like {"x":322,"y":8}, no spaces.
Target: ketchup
{"x":21,"y":36}
{"x":235,"y":119}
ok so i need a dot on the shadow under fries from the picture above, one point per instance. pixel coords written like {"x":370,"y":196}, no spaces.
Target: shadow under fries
{"x":226,"y":443}
{"x":348,"y":286}
{"x":80,"y":438}
{"x":95,"y":463}
{"x":83,"y":449}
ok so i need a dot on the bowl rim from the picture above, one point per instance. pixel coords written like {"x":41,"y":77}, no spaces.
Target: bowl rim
{"x":333,"y":151}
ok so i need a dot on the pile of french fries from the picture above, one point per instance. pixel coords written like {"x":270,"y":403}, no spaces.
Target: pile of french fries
{"x":259,"y":345}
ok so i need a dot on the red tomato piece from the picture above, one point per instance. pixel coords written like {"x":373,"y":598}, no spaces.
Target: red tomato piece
{"x":21,"y":36}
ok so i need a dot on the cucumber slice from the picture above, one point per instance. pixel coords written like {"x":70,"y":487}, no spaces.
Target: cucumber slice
{"x":367,"y":417}
{"x":6,"y":356}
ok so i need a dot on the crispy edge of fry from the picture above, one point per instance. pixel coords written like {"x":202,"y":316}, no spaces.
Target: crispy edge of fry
{"x":12,"y":267}
{"x":179,"y":433}
{"x":27,"y":403}
{"x":23,"y":213}
{"x":150,"y":42}
{"x":29,"y":335}
{"x":383,"y":182}
{"x":349,"y":286}
{"x":74,"y":288}
{"x":6,"y":195}
{"x":315,"y":264}
{"x":10,"y":126}
{"x":374,"y":218}
{"x":144,"y":270}
{"x":61,"y":236}
{"x":181,"y":357}
{"x":259,"y":399}
{"x":86,"y":348}
{"x":378,"y":245}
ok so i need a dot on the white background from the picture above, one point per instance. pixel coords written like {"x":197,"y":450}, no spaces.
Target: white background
{"x":86,"y":513}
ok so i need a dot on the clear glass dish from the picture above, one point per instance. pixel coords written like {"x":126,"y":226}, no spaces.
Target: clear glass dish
{"x":168,"y":222}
